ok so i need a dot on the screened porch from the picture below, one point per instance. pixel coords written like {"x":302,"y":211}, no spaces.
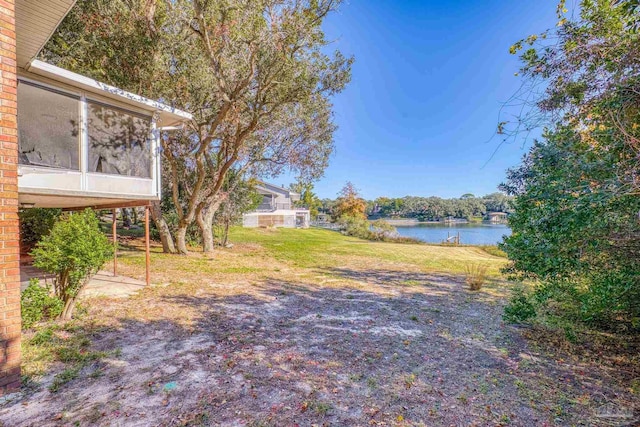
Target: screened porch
{"x":84,"y":143}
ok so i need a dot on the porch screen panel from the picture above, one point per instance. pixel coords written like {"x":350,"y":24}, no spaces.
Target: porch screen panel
{"x":48,"y":127}
{"x":119,"y":141}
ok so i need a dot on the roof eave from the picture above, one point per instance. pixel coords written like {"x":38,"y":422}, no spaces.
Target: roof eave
{"x":169,"y":116}
{"x":35,"y":23}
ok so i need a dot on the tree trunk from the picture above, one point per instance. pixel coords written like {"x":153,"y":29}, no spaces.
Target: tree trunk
{"x":181,"y":239}
{"x":168,"y":247}
{"x":205,"y":223}
{"x":69,"y":306}
{"x":208,"y":243}
{"x":225,"y":232}
{"x":126,"y":218}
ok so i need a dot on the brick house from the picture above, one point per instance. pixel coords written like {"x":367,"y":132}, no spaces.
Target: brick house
{"x":66,"y":141}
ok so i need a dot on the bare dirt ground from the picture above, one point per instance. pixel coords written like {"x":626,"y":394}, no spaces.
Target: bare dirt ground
{"x":361,"y":343}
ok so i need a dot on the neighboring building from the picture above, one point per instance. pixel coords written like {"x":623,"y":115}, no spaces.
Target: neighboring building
{"x":323,"y":218}
{"x":277,"y":209}
{"x":497,"y":217}
{"x":66,"y":141}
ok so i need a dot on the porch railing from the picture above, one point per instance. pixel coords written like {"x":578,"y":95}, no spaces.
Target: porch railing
{"x":270,"y":207}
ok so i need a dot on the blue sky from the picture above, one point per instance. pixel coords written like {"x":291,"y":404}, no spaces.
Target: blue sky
{"x":428,"y":83}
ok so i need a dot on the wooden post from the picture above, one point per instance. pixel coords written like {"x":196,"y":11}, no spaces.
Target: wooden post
{"x":147,"y":244}
{"x":114,"y":232}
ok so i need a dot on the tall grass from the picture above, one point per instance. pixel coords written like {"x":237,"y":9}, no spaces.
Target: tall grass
{"x":476,"y":276}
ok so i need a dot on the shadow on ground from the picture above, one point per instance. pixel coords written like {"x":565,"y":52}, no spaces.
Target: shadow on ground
{"x":410,"y":349}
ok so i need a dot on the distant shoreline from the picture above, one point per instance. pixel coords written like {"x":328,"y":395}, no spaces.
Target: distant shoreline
{"x":408,"y":222}
{"x":416,"y":222}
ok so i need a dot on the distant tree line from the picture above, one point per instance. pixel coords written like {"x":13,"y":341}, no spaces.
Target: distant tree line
{"x":467,"y":206}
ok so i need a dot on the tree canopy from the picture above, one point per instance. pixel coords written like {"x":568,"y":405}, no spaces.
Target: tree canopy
{"x":436,"y":208}
{"x":576,"y":225}
{"x":349,"y":204}
{"x":255,"y":74}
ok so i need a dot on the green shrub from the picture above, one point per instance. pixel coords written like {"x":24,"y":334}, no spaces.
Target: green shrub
{"x":597,"y":300}
{"x":520,"y":308}
{"x":36,"y":223}
{"x":382,"y":230}
{"x":356,"y":227}
{"x":378,"y":230}
{"x":609,"y":296}
{"x":37,"y":304}
{"x":74,"y":250}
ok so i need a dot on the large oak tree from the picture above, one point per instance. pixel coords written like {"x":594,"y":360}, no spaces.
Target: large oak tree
{"x":255,"y":75}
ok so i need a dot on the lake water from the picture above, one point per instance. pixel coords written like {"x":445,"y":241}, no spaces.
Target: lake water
{"x":470,"y":234}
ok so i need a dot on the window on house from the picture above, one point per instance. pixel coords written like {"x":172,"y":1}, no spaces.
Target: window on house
{"x":119,"y":141}
{"x":48,"y":127}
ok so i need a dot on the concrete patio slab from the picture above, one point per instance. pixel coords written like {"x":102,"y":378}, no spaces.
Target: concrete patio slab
{"x":104,"y":283}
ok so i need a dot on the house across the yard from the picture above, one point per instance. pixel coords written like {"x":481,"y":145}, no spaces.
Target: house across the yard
{"x":277,"y":209}
{"x":497,"y":217}
{"x":67,"y":141}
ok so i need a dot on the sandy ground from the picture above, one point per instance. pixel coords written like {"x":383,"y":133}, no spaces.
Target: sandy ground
{"x":372,"y":345}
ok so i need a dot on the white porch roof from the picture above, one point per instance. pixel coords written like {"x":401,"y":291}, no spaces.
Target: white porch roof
{"x":168,"y":116}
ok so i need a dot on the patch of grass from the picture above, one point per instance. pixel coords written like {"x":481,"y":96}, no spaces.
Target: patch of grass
{"x":68,"y":343}
{"x":322,"y":408}
{"x":409,"y":380}
{"x":43,"y":337}
{"x":240,"y":270}
{"x":493,"y":250}
{"x":476,"y":276}
{"x":134,"y":231}
{"x":64,"y":377}
{"x":504,"y":420}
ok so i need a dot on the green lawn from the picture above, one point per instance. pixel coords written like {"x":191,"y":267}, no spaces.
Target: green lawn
{"x":324,"y":248}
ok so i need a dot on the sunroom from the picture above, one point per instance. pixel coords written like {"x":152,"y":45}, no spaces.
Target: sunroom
{"x":83,"y":143}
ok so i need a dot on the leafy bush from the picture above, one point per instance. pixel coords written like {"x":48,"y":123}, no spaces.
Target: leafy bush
{"x":476,"y":276}
{"x":575,"y":228}
{"x":519,"y":309}
{"x":74,"y":250}
{"x":36,"y":223}
{"x":382,"y":230}
{"x":377,"y":230}
{"x":37,"y":304}
{"x":355,"y":226}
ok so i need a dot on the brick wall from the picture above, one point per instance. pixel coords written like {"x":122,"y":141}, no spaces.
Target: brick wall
{"x":9,"y":227}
